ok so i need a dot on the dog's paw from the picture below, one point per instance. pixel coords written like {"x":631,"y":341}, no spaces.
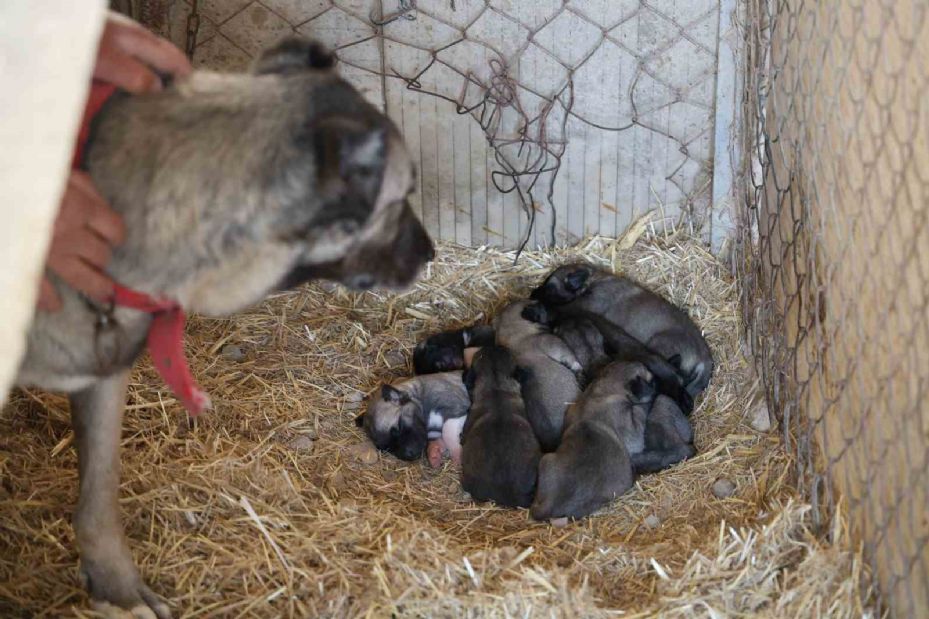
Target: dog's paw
{"x":142,"y":611}
{"x":118,"y":592}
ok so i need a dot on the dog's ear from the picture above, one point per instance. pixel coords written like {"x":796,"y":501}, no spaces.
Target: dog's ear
{"x":294,"y":54}
{"x":643,"y":389}
{"x":576,"y":279}
{"x":389,"y":393}
{"x":535,"y":312}
{"x":351,"y":155}
{"x":360,"y":420}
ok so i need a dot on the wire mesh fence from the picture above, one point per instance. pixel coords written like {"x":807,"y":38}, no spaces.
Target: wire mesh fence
{"x":574,"y":114}
{"x":531,"y":121}
{"x":833,"y":261}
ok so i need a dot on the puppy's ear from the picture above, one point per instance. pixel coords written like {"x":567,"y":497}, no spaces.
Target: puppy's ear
{"x":294,"y":54}
{"x":391,"y":394}
{"x":352,"y":156}
{"x":360,"y":420}
{"x":643,"y":390}
{"x":535,"y":312}
{"x":576,"y":279}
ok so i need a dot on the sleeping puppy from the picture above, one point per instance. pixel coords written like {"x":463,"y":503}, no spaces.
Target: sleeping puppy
{"x":231,"y":186}
{"x":644,"y":315}
{"x":445,"y":351}
{"x":409,"y":414}
{"x":553,"y":371}
{"x":593,"y":463}
{"x":595,"y":341}
{"x":669,"y":438}
{"x":582,"y":337}
{"x":499,"y":451}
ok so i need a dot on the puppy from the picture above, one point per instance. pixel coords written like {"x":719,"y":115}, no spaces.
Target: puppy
{"x":553,"y":371}
{"x":593,"y":463}
{"x":595,"y":340}
{"x":584,"y":340}
{"x":499,"y":451}
{"x":409,"y":414}
{"x":669,"y":438}
{"x":230,"y":186}
{"x":644,"y":315}
{"x":445,"y":351}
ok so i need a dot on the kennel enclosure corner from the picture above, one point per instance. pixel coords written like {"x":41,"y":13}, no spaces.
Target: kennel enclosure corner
{"x":575,"y":116}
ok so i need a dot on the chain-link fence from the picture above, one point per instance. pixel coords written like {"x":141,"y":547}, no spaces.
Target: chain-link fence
{"x":549,"y":120}
{"x":833,"y":262}
{"x":531,"y":121}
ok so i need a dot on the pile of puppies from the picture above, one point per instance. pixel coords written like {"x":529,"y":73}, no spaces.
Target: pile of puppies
{"x":561,"y":403}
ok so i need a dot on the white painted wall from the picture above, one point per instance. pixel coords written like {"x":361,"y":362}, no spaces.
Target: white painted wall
{"x":645,"y":67}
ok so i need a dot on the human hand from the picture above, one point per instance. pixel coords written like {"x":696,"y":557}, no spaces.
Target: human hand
{"x":128,"y":53}
{"x":85,"y":231}
{"x":86,"y":228}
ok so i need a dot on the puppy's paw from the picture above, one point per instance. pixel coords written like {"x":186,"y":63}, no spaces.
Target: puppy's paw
{"x":118,"y":592}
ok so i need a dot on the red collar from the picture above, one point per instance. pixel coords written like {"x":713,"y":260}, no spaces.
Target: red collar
{"x":166,"y":345}
{"x":100,"y":93}
{"x":166,"y":333}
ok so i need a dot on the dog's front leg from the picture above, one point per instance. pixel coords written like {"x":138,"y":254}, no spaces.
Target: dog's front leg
{"x":110,"y":575}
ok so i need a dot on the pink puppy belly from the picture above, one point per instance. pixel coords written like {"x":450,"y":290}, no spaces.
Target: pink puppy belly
{"x":451,"y":436}
{"x":434,"y":452}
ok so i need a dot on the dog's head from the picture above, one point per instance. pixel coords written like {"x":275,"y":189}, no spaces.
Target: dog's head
{"x":395,"y":423}
{"x":442,"y":352}
{"x":363,"y":232}
{"x":564,"y":284}
{"x":589,"y":469}
{"x":234,"y":185}
{"x":494,"y":368}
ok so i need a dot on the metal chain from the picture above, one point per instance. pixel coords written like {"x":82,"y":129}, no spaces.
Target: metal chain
{"x":193,"y":27}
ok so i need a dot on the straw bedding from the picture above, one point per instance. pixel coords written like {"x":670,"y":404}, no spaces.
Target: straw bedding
{"x":275,"y":505}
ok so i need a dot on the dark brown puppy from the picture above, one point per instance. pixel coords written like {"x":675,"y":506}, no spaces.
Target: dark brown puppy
{"x":552,"y":383}
{"x":641,"y":313}
{"x":444,"y":352}
{"x":593,"y":465}
{"x":669,"y":438}
{"x":595,"y":341}
{"x":499,"y":451}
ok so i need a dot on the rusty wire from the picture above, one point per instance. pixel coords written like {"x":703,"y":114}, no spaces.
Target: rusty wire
{"x":525,"y":125}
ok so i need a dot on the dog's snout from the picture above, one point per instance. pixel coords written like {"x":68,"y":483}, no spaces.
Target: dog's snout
{"x":408,"y":453}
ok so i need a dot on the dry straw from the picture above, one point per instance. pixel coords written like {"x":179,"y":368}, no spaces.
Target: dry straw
{"x":271,"y":504}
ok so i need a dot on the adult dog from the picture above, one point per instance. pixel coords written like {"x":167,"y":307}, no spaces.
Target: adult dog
{"x":231,"y":186}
